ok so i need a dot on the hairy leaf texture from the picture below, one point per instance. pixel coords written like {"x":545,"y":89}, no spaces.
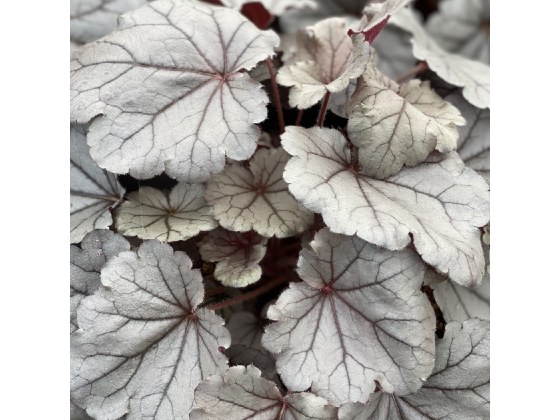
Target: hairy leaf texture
{"x":440,"y":202}
{"x":472,"y":76}
{"x":174,"y":216}
{"x":243,"y":394}
{"x":86,"y":263}
{"x":166,"y":90}
{"x":395,"y":126}
{"x":458,"y":389}
{"x":93,"y":191}
{"x":358,"y":317}
{"x":462,"y":27}
{"x":258,"y":199}
{"x":325,"y":60}
{"x":237,"y":255}
{"x":145,"y":345}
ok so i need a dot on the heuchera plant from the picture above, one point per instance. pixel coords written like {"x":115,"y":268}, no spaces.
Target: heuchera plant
{"x":286,"y":223}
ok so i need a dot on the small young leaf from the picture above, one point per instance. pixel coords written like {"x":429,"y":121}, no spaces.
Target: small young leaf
{"x":440,"y":202}
{"x":326,"y":58}
{"x":258,"y":199}
{"x":162,"y":99}
{"x":376,"y":16}
{"x":358,"y":317}
{"x":458,"y":389}
{"x":177,"y":216}
{"x":86,"y":263}
{"x":473,"y":76}
{"x":237,"y":254}
{"x":396,"y":129}
{"x":243,"y":394}
{"x":93,"y":191}
{"x":462,"y":27}
{"x":145,"y":345}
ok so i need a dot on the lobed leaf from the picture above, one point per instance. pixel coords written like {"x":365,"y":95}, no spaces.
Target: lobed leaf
{"x":458,"y":389}
{"x":167,"y":92}
{"x":440,"y":202}
{"x":243,"y":394}
{"x":152,"y":214}
{"x":258,"y":199}
{"x":85,"y":266}
{"x":359,"y":317}
{"x":93,"y":191}
{"x":239,"y":354}
{"x":325,"y":60}
{"x":237,"y":254}
{"x":145,"y":345}
{"x":473,"y":76}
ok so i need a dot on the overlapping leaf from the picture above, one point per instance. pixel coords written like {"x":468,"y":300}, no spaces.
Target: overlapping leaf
{"x":237,"y":254}
{"x":93,"y":191}
{"x":358,"y":317}
{"x":167,"y":91}
{"x":145,"y":345}
{"x":325,"y":60}
{"x":245,"y":328}
{"x":396,"y":129}
{"x":176,"y":216}
{"x":440,"y":202}
{"x":97,"y":248}
{"x":473,"y":76}
{"x":458,"y":389}
{"x":258,"y":199}
{"x":238,"y":354}
{"x":92,"y":19}
{"x":376,"y":16}
{"x":462,"y":27}
{"x":274,"y":7}
{"x":243,"y":394}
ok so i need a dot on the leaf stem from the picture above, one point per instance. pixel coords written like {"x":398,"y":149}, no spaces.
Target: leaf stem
{"x":276,"y":96}
{"x":258,"y":291}
{"x":421,"y":66}
{"x":324,"y":109}
{"x":299,"y":116}
{"x":215,"y":291}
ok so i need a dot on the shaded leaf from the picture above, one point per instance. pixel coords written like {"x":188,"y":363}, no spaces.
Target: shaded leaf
{"x":239,"y":354}
{"x":245,"y":328}
{"x":237,"y":254}
{"x":145,"y":345}
{"x":394,"y":53}
{"x":257,"y":199}
{"x":176,"y":216}
{"x":243,"y":394}
{"x":325,"y":60}
{"x":458,"y":389}
{"x":473,"y":76}
{"x":359,"y":316}
{"x":440,"y":202}
{"x":224,"y":294}
{"x":92,"y":19}
{"x":395,"y":129}
{"x":163,"y":99}
{"x":86,"y":263}
{"x":462,"y":27}
{"x":93,"y":191}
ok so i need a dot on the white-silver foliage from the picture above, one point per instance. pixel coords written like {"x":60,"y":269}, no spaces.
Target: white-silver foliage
{"x":472,"y":76}
{"x":237,"y":255}
{"x":395,"y":126}
{"x":242,"y":394}
{"x":358,"y":317}
{"x":274,"y":7}
{"x":166,"y":216}
{"x":97,"y":248}
{"x":325,"y":60}
{"x":93,"y":19}
{"x":258,"y":198}
{"x":165,"y":90}
{"x":462,"y":27}
{"x":458,"y":389}
{"x":440,"y":202}
{"x":93,"y":191}
{"x":376,"y":12}
{"x":145,"y":346}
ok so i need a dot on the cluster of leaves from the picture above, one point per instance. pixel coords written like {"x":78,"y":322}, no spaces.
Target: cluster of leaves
{"x":192,"y":209}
